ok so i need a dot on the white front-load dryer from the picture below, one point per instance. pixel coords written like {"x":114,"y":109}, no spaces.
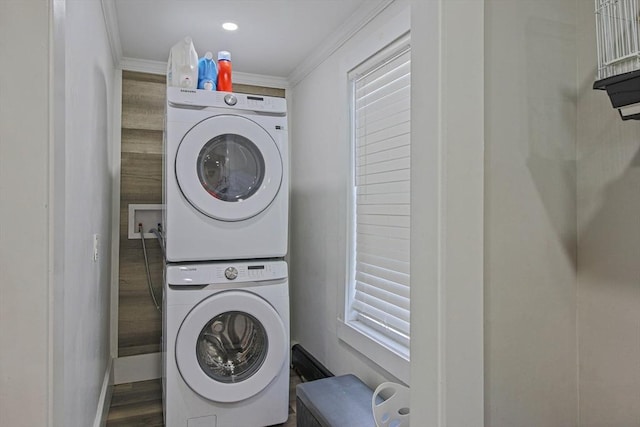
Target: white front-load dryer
{"x":226,"y":185}
{"x":226,"y":344}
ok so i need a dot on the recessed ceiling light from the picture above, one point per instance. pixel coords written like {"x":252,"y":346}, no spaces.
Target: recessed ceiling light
{"x":230,"y":26}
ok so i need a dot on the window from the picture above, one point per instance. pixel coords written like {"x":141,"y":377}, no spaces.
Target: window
{"x":377,"y":303}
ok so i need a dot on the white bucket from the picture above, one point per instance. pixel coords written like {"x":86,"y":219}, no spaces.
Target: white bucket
{"x":182,"y":66}
{"x":393,"y":410}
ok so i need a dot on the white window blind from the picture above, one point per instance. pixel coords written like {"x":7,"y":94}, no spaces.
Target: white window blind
{"x":379,"y":294}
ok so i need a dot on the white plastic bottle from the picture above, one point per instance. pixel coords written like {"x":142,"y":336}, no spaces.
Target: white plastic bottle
{"x":182,"y":67}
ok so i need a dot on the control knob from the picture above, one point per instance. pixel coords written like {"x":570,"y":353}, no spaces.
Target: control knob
{"x":230,"y":99}
{"x":231,"y":273}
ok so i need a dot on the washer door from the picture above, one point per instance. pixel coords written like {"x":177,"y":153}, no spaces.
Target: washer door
{"x":229,"y":167}
{"x":231,"y":346}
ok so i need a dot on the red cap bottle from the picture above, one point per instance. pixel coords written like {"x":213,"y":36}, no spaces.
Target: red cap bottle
{"x":224,"y":71}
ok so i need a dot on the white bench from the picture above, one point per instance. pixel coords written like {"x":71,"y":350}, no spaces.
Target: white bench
{"x":342,"y":401}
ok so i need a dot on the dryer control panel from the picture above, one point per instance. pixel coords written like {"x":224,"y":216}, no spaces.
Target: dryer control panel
{"x":225,"y":272}
{"x":177,"y":97}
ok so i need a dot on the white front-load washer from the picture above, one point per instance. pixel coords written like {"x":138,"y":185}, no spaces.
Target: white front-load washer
{"x":226,"y":344}
{"x":226,"y":185}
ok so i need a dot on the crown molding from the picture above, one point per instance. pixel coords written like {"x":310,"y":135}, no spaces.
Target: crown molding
{"x":113,"y":31}
{"x":143,"y":65}
{"x":361,"y":17}
{"x":159,"y":67}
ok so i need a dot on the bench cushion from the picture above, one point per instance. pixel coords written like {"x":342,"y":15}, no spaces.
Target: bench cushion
{"x":342,"y":401}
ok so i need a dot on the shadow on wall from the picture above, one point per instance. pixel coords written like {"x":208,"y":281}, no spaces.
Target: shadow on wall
{"x":610,"y":241}
{"x":551,"y":107}
{"x":555,"y":182}
{"x":101,"y":119}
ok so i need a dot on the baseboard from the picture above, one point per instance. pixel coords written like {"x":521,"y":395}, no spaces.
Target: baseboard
{"x":104,"y":401}
{"x":142,"y":367}
{"x":306,"y":365}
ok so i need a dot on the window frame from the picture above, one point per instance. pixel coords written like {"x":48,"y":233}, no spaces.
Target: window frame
{"x":382,"y":350}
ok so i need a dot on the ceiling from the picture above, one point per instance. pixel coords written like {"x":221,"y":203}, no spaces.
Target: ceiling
{"x":273,"y":39}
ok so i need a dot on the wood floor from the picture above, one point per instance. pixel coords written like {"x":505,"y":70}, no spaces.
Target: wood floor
{"x":140,"y":404}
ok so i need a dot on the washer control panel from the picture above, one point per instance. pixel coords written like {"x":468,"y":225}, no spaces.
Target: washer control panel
{"x":251,"y":272}
{"x":225,"y":272}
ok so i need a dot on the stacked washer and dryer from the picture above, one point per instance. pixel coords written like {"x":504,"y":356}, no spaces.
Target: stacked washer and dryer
{"x":226,"y":293}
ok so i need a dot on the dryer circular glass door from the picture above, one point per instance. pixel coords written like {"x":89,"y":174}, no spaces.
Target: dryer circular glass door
{"x":229,"y":167}
{"x":231,"y":346}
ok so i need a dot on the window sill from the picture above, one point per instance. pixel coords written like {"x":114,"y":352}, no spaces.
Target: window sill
{"x":383,"y":352}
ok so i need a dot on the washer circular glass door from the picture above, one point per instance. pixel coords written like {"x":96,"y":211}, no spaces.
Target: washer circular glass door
{"x":229,"y":167}
{"x":231,"y":346}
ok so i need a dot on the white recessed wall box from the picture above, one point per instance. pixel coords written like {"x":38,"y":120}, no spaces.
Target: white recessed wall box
{"x":149,"y":215}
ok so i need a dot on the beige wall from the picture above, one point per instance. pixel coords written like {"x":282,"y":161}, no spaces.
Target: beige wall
{"x":608,"y":183}
{"x":24,"y":214}
{"x":87,"y":206}
{"x":530,"y":210}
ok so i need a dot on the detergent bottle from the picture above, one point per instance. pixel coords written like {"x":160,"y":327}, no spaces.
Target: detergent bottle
{"x":182,"y":66}
{"x":207,"y":72}
{"x":224,"y":71}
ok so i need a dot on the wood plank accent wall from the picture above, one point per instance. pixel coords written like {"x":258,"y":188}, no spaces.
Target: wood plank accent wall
{"x":143,"y":105}
{"x":259,"y":90}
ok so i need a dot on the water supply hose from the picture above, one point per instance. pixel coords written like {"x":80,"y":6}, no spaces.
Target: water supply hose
{"x":146,"y":265}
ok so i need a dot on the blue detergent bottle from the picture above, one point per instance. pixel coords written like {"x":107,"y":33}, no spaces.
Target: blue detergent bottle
{"x":207,"y":72}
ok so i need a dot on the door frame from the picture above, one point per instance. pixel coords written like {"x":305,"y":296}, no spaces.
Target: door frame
{"x":447,"y":212}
